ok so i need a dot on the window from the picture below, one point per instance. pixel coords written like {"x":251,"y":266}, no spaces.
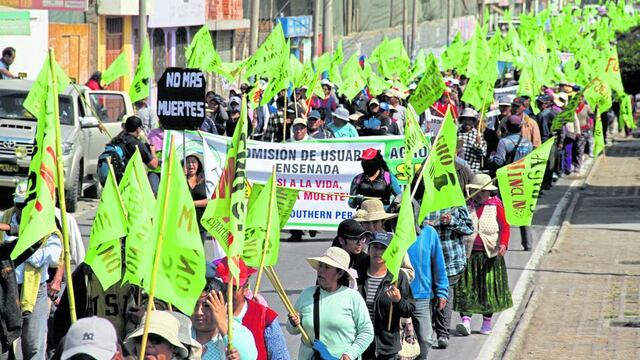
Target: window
{"x":159,"y":53}
{"x":109,"y":107}
{"x":181,"y":43}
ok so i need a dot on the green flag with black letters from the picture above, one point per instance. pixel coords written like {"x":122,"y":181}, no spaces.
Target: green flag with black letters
{"x":109,"y":226}
{"x":180,"y":277}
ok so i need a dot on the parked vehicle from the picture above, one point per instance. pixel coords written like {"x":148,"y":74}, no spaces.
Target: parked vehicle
{"x":82,"y":111}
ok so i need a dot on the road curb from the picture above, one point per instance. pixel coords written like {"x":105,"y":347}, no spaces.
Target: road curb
{"x":504,"y":328}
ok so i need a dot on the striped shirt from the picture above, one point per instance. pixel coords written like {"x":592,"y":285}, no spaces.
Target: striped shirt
{"x":373,"y":283}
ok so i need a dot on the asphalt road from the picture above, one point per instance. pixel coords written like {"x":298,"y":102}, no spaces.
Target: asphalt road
{"x":296,"y":274}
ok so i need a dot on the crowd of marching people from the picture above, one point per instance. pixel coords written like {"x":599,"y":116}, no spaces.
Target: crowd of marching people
{"x":355,"y":307}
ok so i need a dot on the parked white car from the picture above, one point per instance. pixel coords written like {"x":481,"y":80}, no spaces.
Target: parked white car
{"x":83,"y":139}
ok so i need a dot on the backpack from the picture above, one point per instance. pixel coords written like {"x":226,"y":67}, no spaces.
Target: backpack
{"x":520,"y":150}
{"x":387,"y":178}
{"x":114,"y":151}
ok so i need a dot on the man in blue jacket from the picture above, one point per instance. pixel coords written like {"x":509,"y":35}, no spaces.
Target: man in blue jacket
{"x":430,"y":281}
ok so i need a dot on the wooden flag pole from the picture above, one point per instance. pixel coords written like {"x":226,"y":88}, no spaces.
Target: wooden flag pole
{"x":60,"y":185}
{"x":265,"y":246}
{"x":284,"y":114}
{"x":156,"y":261}
{"x":230,"y":304}
{"x":275,"y":281}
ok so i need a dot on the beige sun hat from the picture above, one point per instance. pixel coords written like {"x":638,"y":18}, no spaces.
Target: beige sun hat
{"x":334,"y":256}
{"x":480,"y":181}
{"x":375,"y":211}
{"x":163,"y":324}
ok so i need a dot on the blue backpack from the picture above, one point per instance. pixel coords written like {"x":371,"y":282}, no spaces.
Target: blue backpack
{"x":114,"y":151}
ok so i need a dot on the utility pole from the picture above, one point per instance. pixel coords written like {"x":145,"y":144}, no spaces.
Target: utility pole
{"x":316,"y":29}
{"x":349,"y":17}
{"x":142,"y":27}
{"x":414,"y":30}
{"x":404,"y":23}
{"x":255,"y":26}
{"x":448,"y":21}
{"x":327,"y":28}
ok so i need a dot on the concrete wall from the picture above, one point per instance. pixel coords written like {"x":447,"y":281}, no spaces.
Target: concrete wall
{"x":431,"y":35}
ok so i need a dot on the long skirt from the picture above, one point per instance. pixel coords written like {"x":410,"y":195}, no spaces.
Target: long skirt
{"x":484,"y":286}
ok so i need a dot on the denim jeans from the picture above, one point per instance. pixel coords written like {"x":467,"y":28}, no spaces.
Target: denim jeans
{"x":154,"y":181}
{"x":422,"y":326}
{"x":34,"y":327}
{"x":442,"y":319}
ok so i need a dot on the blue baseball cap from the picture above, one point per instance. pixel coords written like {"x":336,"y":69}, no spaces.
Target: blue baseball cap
{"x":384,"y":106}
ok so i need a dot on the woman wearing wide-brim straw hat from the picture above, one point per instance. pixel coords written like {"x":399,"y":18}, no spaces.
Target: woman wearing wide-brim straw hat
{"x":484,"y":286}
{"x":344,"y":324}
{"x":372,"y":215}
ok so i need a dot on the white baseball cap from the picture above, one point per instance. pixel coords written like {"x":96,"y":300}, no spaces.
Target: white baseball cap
{"x":93,"y":336}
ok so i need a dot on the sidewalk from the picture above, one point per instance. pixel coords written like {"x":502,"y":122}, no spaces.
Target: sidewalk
{"x":586,"y":300}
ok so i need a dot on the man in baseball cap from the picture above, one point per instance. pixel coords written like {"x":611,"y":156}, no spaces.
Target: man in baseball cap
{"x":92,"y":336}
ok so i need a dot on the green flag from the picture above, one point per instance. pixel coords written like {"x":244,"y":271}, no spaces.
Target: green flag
{"x":306,"y":76}
{"x":225,"y":215}
{"x":479,"y":90}
{"x":38,"y":215}
{"x":419,"y":65}
{"x":352,"y":85}
{"x":429,"y":89}
{"x":527,"y":86}
{"x":453,"y":53}
{"x":201,"y":54}
{"x":441,"y":187}
{"x":414,"y":138}
{"x":610,"y":71}
{"x":323,"y":62}
{"x":376,"y":84}
{"x":278,"y":80}
{"x":141,"y":86}
{"x":520,"y":182}
{"x":109,"y":226}
{"x":262,"y":205}
{"x":598,"y":136}
{"x":140,"y":203}
{"x":479,"y":53}
{"x":598,"y":93}
{"x":180,"y":277}
{"x":119,"y":67}
{"x":105,"y":261}
{"x":110,"y":221}
{"x":568,"y":114}
{"x":269,"y":55}
{"x":404,"y":236}
{"x":295,"y":68}
{"x":626,"y":112}
{"x":286,"y":199}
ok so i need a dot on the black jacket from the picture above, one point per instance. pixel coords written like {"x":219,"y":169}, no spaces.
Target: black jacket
{"x":387,"y":342}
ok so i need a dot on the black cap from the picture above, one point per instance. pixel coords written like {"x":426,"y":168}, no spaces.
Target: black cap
{"x":351,"y":229}
{"x":132,"y":124}
{"x":381,"y":237}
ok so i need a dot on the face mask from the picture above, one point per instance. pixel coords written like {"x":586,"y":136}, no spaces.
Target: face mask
{"x":369,"y":167}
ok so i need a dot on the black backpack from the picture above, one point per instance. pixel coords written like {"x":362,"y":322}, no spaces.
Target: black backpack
{"x":114,"y":150}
